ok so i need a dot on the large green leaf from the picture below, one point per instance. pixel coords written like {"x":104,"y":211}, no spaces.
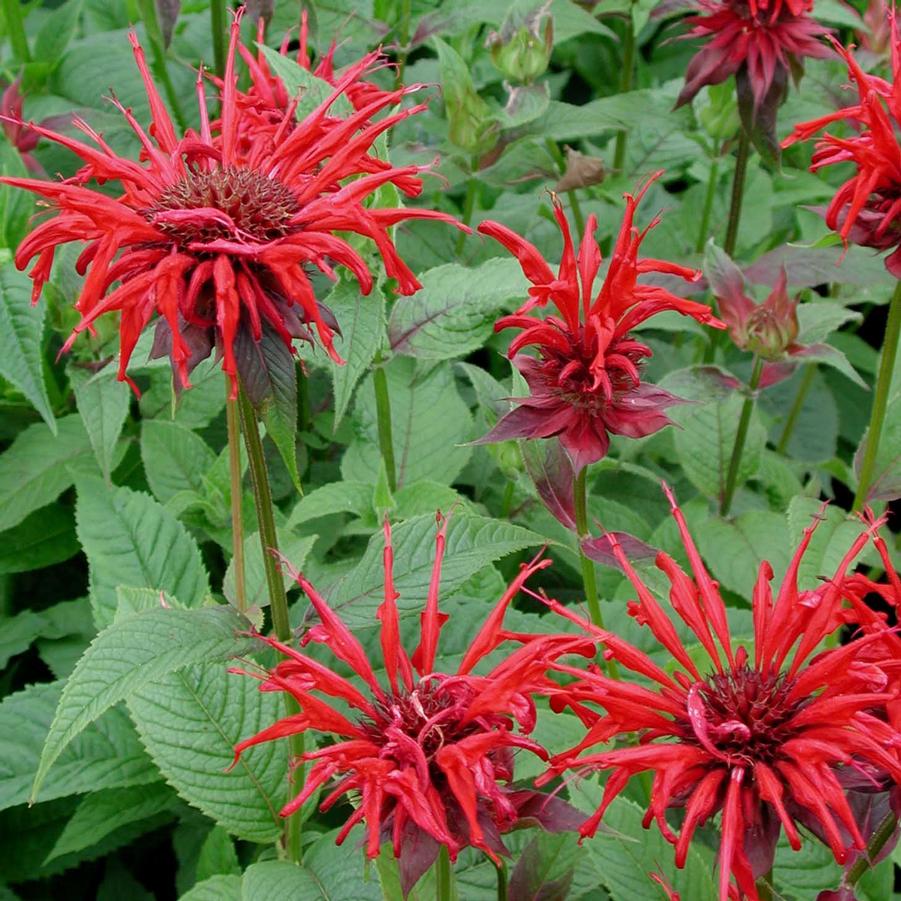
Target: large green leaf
{"x":190,"y":722}
{"x":216,"y":888}
{"x":35,"y":470}
{"x":129,"y":654}
{"x":103,"y":406}
{"x":129,"y":539}
{"x":43,"y":538}
{"x":175,"y":458}
{"x":21,"y":331}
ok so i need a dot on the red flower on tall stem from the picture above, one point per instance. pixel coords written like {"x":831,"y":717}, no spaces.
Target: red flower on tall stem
{"x":211,"y":231}
{"x":770,"y":736}
{"x":866,"y":209}
{"x":586,"y":382}
{"x":429,"y":752}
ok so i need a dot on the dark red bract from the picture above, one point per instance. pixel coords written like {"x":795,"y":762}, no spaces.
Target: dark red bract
{"x":586,"y":382}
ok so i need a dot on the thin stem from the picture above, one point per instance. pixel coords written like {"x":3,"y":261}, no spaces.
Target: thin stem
{"x":469,"y":203}
{"x":765,"y":887}
{"x":15,"y":30}
{"x":876,"y":843}
{"x":158,"y":49}
{"x":501,"y":868}
{"x":304,"y":406}
{"x":797,"y":405}
{"x":625,"y":85}
{"x":218,"y":28}
{"x":234,"y":468}
{"x":557,"y":154}
{"x":709,"y":197}
{"x":383,"y":416}
{"x":740,"y":437}
{"x":880,"y":399}
{"x":443,"y":876}
{"x":738,"y":192}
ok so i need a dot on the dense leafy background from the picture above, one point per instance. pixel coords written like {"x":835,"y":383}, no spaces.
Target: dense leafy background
{"x":107,"y":500}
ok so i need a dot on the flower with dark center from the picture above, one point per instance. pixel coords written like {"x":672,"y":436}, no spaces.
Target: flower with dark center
{"x":586,"y":382}
{"x":770,"y":736}
{"x":427,"y":753}
{"x":866,"y":209}
{"x":759,"y":42}
{"x":212,"y":232}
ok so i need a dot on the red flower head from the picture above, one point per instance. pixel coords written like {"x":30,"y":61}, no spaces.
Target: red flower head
{"x":586,"y":382}
{"x":427,"y":752}
{"x":866,"y":209}
{"x":758,"y":41}
{"x":770,"y":736}
{"x":212,"y":231}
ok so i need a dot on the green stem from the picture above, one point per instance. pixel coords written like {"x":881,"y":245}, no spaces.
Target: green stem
{"x":765,"y":887}
{"x":501,"y":868}
{"x":797,"y":405}
{"x":469,"y":203}
{"x":403,"y":39}
{"x":158,"y":49}
{"x":740,"y":436}
{"x":218,"y":29}
{"x":15,"y":30}
{"x":557,"y":154}
{"x":880,"y":399}
{"x":877,"y":842}
{"x":708,"y":205}
{"x":304,"y":406}
{"x":625,"y":85}
{"x":444,"y":877}
{"x":278,"y":600}
{"x":383,"y":416}
{"x":738,"y":192}
{"x":234,"y":468}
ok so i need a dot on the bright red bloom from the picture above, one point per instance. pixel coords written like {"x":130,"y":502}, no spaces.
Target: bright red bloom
{"x":866,"y":209}
{"x":770,"y":737}
{"x":212,"y":230}
{"x":586,"y":382}
{"x":428,"y":752}
{"x":758,"y":41}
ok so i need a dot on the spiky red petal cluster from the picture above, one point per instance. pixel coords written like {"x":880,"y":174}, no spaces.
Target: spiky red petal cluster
{"x":428,"y":752}
{"x":766,"y":736}
{"x":586,"y":382}
{"x":212,"y":231}
{"x":866,"y":209}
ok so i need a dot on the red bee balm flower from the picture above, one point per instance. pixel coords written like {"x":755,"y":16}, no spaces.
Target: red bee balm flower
{"x":768,"y":736}
{"x":211,"y":231}
{"x":586,"y":382}
{"x":866,"y":210}
{"x":427,"y":752}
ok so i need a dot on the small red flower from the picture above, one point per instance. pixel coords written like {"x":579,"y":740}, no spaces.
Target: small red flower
{"x":866,"y":209}
{"x":772,"y":737}
{"x":428,"y":753}
{"x":586,"y":383}
{"x":211,"y":231}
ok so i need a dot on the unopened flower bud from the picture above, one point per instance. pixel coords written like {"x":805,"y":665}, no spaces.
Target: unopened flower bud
{"x":719,"y":117}
{"x":770,"y":330}
{"x":521,"y":50}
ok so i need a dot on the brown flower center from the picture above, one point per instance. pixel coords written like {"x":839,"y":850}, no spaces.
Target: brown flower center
{"x":229,"y":203}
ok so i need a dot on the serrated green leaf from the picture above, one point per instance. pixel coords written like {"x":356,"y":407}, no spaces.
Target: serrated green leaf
{"x":340,"y":870}
{"x":335,"y":497}
{"x":102,"y":403}
{"x":57,"y":30}
{"x":453,"y":314}
{"x":216,"y":888}
{"x":217,"y":855}
{"x":34,"y":471}
{"x":21,"y":331}
{"x":175,"y":458}
{"x":279,"y":879}
{"x":128,"y":654}
{"x":129,"y":539}
{"x":190,"y":722}
{"x":43,"y":538}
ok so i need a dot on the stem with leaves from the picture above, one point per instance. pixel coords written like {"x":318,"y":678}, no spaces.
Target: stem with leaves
{"x":278,"y":600}
{"x":383,"y":418}
{"x":738,"y":192}
{"x":625,"y":85}
{"x":741,"y":436}
{"x":15,"y":31}
{"x":234,"y":468}
{"x":218,"y":29}
{"x":880,"y":399}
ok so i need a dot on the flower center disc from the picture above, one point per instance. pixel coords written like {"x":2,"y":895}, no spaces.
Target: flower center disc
{"x":258,"y":207}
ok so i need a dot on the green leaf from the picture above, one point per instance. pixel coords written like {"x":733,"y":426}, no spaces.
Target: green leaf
{"x":217,"y":855}
{"x":454,"y":312}
{"x":16,"y":205}
{"x":340,"y":870}
{"x":190,"y":722}
{"x":886,"y":482}
{"x":42,"y":539}
{"x":334,"y":497}
{"x":175,"y":458}
{"x":294,"y":549}
{"x":21,"y":332}
{"x":362,"y":321}
{"x":301,"y":83}
{"x":429,"y":422}
{"x":279,"y":879}
{"x":103,"y":812}
{"x":216,"y":888}
{"x":56,"y":32}
{"x":128,"y":655}
{"x":17,"y":633}
{"x":473,"y":542}
{"x":103,"y":403}
{"x":106,"y":754}
{"x":129,"y":539}
{"x":34,"y":471}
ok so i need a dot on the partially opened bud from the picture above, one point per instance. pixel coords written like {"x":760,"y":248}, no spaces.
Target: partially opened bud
{"x":720,"y":115}
{"x":521,"y":50}
{"x":772,"y":328}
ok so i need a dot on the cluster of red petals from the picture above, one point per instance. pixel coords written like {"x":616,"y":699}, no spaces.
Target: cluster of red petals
{"x":757,"y":40}
{"x":586,"y":382}
{"x":428,"y":752}
{"x":866,"y":209}
{"x":211,"y":231}
{"x":771,"y":737}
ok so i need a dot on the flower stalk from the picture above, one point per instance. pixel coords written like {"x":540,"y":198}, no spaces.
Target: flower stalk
{"x":883,"y":833}
{"x":589,"y":580}
{"x":738,"y":191}
{"x":383,"y":418}
{"x":218,"y":29}
{"x":707,"y":210}
{"x":625,"y":85}
{"x":740,"y":437}
{"x":444,"y":890}
{"x":234,"y":468}
{"x":880,"y":399}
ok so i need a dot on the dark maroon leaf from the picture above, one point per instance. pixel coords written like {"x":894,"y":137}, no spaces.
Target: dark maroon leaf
{"x":167,"y":12}
{"x":601,"y":549}
{"x":551,"y":472}
{"x":419,"y":852}
{"x":544,"y":871}
{"x":550,"y":812}
{"x":809,"y":266}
